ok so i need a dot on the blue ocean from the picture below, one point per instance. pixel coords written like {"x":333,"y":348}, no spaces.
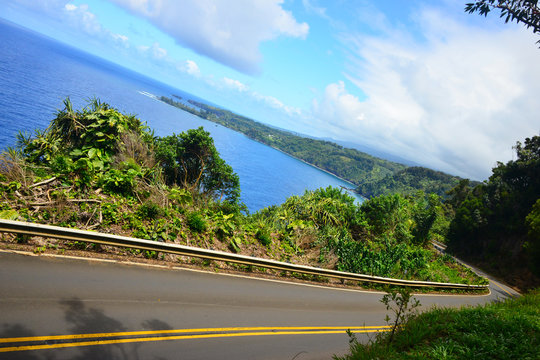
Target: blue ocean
{"x":38,"y":73}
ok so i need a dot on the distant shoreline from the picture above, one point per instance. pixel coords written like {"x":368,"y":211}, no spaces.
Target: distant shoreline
{"x":281,"y":151}
{"x":310,"y":164}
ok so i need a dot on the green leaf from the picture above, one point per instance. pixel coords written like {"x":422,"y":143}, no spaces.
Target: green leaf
{"x":98,"y":164}
{"x":76,"y":153}
{"x":9,"y":214}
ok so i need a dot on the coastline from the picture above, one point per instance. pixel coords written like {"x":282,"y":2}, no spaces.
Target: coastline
{"x":296,"y":158}
{"x":197,"y":113}
{"x":310,"y":164}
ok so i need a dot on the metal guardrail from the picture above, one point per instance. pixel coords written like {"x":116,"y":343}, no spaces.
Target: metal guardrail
{"x":57,"y":232}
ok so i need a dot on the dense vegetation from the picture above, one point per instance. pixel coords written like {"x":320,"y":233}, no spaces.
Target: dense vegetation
{"x":408,"y":181}
{"x":372,"y":176}
{"x":497,"y":223}
{"x":505,"y":330}
{"x":99,"y":169}
{"x":385,"y":236}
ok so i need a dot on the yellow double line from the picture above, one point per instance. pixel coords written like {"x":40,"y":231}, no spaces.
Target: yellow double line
{"x":75,"y":340}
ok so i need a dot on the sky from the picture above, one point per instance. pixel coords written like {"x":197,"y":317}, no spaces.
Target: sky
{"x":418,"y":79}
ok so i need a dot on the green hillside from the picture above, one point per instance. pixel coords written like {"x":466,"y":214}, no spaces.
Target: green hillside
{"x":410,"y":180}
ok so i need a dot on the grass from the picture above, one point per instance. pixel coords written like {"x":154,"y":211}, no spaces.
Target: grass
{"x":505,"y":330}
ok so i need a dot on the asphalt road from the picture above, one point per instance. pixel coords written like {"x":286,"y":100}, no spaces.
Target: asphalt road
{"x":49,"y":305}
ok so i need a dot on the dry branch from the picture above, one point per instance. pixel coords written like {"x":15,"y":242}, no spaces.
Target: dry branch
{"x":68,"y":200}
{"x":44,"y":182}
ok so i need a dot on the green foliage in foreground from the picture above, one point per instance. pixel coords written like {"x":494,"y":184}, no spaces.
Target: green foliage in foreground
{"x":100,"y":147}
{"x":403,"y":306}
{"x":507,"y":330}
{"x":386,"y":236}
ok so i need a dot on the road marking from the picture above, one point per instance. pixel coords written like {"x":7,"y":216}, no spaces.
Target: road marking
{"x":195,"y":334}
{"x":179,"y":331}
{"x":503,"y":289}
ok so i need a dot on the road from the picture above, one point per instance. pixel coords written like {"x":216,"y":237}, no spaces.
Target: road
{"x":50,"y":305}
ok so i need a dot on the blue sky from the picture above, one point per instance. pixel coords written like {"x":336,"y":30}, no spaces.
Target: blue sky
{"x":417,"y":79}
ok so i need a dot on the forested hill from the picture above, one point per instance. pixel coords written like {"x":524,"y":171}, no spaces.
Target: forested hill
{"x":370,"y":174}
{"x":410,"y":180}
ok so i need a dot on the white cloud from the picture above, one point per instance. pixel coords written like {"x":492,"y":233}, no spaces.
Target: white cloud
{"x":44,"y":6}
{"x":338,"y":104}
{"x":228,"y":31}
{"x":318,"y":10}
{"x":275,"y":103}
{"x":158,"y":52}
{"x":123,"y":40}
{"x":457,"y":101}
{"x":70,"y":7}
{"x":191,"y":68}
{"x":78,"y":18}
{"x":81,"y":17}
{"x":143,"y":48}
{"x":269,"y":100}
{"x":154,"y":51}
{"x":235,"y":84}
{"x":266,"y":100}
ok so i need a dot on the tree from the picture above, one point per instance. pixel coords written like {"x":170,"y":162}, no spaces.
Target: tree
{"x":496,"y":222}
{"x":424,"y":215}
{"x":459,"y":193}
{"x":520,"y":11}
{"x":190,"y":160}
{"x":532,"y":246}
{"x":389,"y":215}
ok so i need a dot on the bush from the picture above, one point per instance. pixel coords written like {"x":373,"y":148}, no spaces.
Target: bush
{"x":196,"y":222}
{"x":119,"y":182}
{"x":263,"y":236}
{"x":149,"y":211}
{"x":386,"y":258}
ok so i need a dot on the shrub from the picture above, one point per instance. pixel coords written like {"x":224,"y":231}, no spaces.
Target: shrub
{"x":196,"y":222}
{"x":263,"y":236}
{"x":115,"y":181}
{"x":149,"y":211}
